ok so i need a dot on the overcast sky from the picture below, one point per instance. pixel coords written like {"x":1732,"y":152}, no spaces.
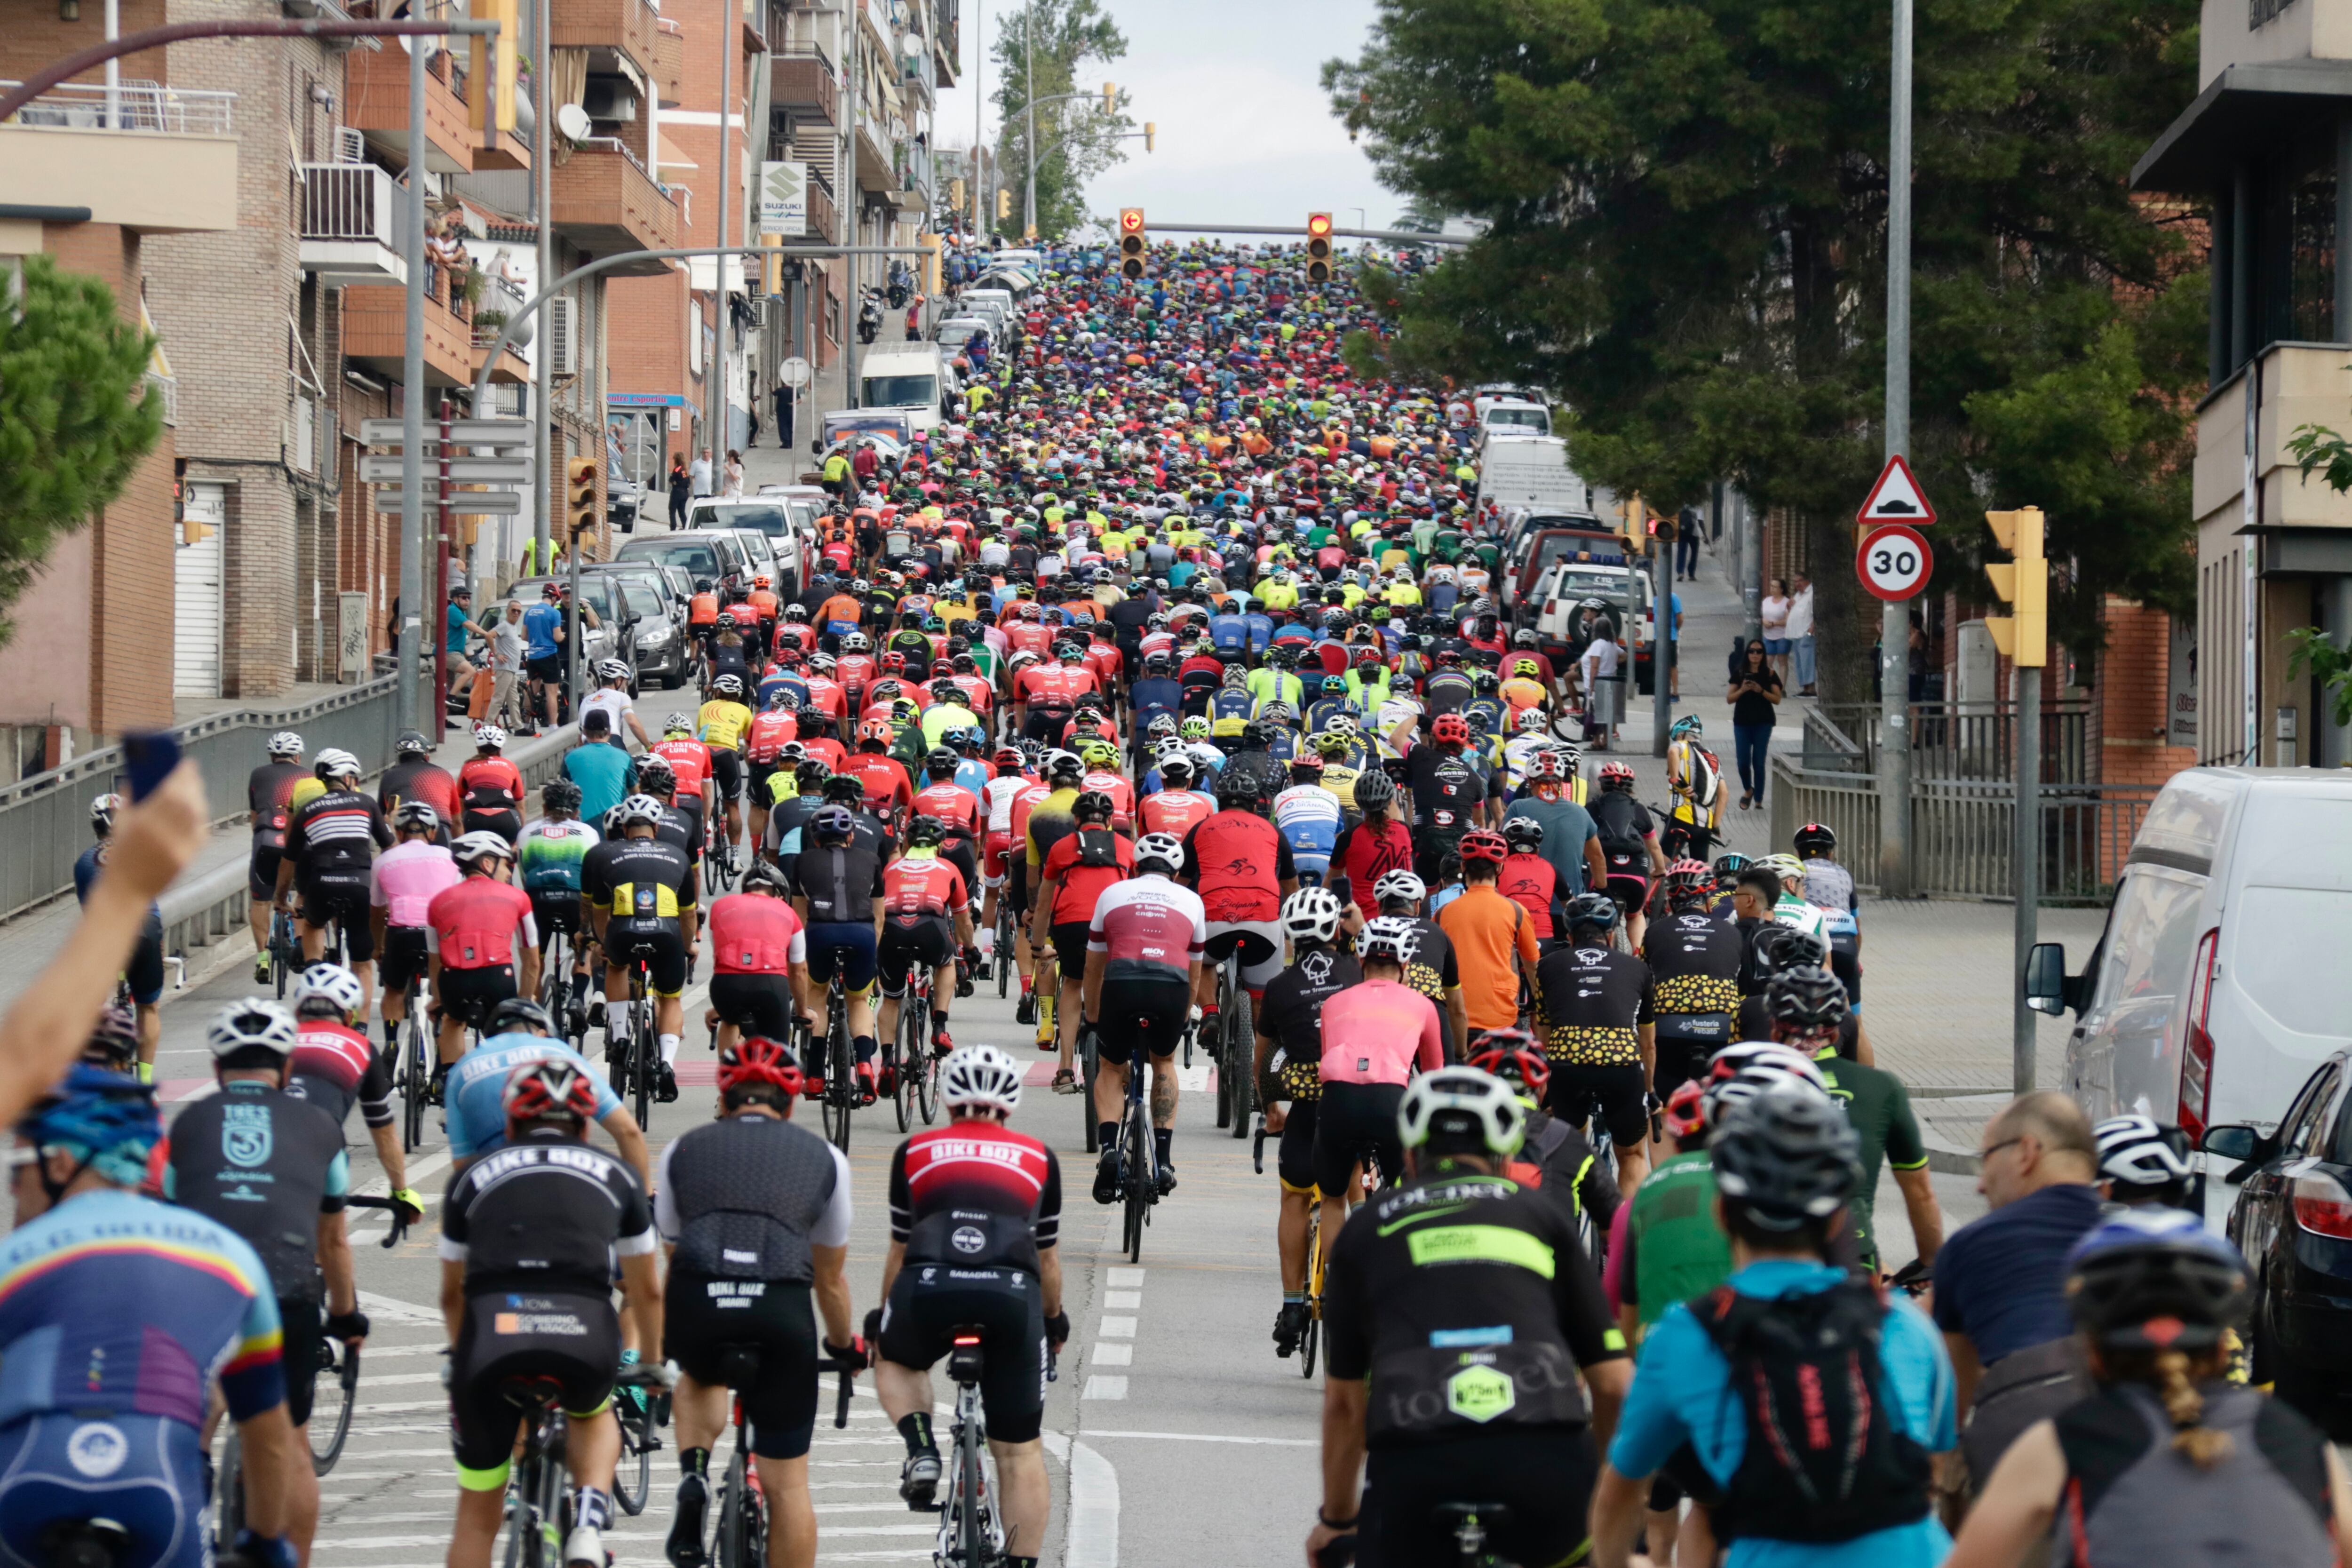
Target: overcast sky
{"x":1245,"y":132}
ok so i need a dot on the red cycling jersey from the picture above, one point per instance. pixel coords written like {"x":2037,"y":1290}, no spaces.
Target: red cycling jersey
{"x":490,"y":783}
{"x":953,"y":805}
{"x":826,"y":695}
{"x":690,"y":761}
{"x":888,"y":787}
{"x":770,"y":732}
{"x":1239,"y":863}
{"x":473,"y":924}
{"x":918,"y":886}
{"x":1081,"y":885}
{"x":751,"y":933}
{"x":1531,"y":882}
{"x":1121,"y":793}
{"x":1176,"y":811}
{"x":1147,"y":928}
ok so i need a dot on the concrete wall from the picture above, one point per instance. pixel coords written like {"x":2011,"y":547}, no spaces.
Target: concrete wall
{"x":136,"y":178}
{"x":2296,"y":30}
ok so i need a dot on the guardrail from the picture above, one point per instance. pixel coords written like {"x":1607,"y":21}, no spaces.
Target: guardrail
{"x":1964,"y":740}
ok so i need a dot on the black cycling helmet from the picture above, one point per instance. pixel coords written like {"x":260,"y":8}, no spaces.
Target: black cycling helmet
{"x":926,"y":832}
{"x":2155,"y":1280}
{"x":1591,"y":911}
{"x":2144,"y":1158}
{"x":1814,"y":838}
{"x":942,"y":762}
{"x":844,"y":789}
{"x":810,"y":775}
{"x":1786,"y":1156}
{"x":1523,"y":833}
{"x":1093,"y":805}
{"x":1780,"y":947}
{"x":1729,"y":867}
{"x":1805,"y":1002}
{"x":1237,"y":789}
{"x":559,"y":794}
{"x":518,"y":1013}
{"x":413,"y":744}
{"x":1375,"y":791}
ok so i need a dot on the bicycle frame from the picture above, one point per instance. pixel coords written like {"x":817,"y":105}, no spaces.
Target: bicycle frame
{"x":971,"y":1535}
{"x":536,"y":1496}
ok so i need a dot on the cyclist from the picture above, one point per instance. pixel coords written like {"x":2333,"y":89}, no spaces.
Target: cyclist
{"x":402,"y":884}
{"x":1008,"y":779}
{"x":1041,"y":819}
{"x":414,"y":775}
{"x":600,"y":765}
{"x":721,"y":725}
{"x":548,"y":858}
{"x":1290,"y":1054}
{"x":957,"y":809}
{"x":641,"y":892}
{"x":890,"y":792}
{"x":546,"y":1217}
{"x":756,"y":1214}
{"x":1460,"y":1318}
{"x":268,"y":801}
{"x":690,"y":766}
{"x":612,"y":698}
{"x":1494,"y":940}
{"x":1433,"y":972}
{"x":2144,"y":1164}
{"x":1787,"y":1333}
{"x":147,"y":1304}
{"x":1529,"y":881}
{"x":684,"y":822}
{"x":837,"y":891}
{"x":759,"y":982}
{"x":1176,"y":807}
{"x":144,"y":972}
{"x":1375,"y":1034}
{"x":1449,"y":797}
{"x":271,"y":1166}
{"x":1309,"y":819}
{"x":519,"y":1035}
{"x":477,"y":932}
{"x":927,"y":920}
{"x":334,"y":1068}
{"x":1629,"y":843}
{"x":331,"y":844}
{"x":1370,"y":847}
{"x":1144,"y":938}
{"x":1694,"y":962}
{"x":1599,"y":1009}
{"x":1570,"y":840}
{"x":1242,"y":868}
{"x":939,"y":1279}
{"x":1077,"y":871}
{"x":1555,"y":1156}
{"x":491,"y":785}
{"x":1828,"y":887}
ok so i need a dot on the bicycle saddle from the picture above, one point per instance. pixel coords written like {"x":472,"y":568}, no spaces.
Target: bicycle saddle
{"x":964,"y":1362}
{"x":84,"y":1543}
{"x":529,"y":1389}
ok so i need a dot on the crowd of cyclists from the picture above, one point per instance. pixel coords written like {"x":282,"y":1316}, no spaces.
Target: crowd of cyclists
{"x":1164,"y":679}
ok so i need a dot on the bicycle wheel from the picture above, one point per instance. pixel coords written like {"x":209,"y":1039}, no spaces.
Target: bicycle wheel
{"x":330,"y":1405}
{"x":1007,"y":943}
{"x":416,"y":1077}
{"x":909,"y":1047}
{"x":1241,"y":1052}
{"x":1313,"y":1337}
{"x":228,"y":1509}
{"x":643,"y":1053}
{"x":1137,"y":1176}
{"x":840,"y":1083}
{"x":1309,"y":1343}
{"x":633,"y":1480}
{"x":971,"y":1533}
{"x":1218,"y":1059}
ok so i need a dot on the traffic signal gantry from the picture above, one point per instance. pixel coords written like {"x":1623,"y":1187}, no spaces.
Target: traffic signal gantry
{"x":1318,"y":247}
{"x":1132,"y":242}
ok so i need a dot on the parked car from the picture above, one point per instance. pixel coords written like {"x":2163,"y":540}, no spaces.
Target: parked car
{"x":717,"y":555}
{"x":957,"y":331}
{"x":624,"y":500}
{"x":773,"y":540}
{"x":2219,"y":984}
{"x":619,"y":613}
{"x":660,"y":638}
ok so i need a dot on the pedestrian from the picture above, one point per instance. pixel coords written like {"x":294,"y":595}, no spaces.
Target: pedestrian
{"x":1775,"y":610}
{"x":1800,"y":627}
{"x":1600,"y":663}
{"x":697,"y":472}
{"x":459,"y":626}
{"x":783,"y":398}
{"x":1754,"y":696}
{"x":506,"y":666}
{"x":680,"y":490}
{"x":1687,"y":527}
{"x":732,"y":487}
{"x":915,"y":318}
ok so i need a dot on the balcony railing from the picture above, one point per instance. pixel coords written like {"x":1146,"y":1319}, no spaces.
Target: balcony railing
{"x":168,"y":387}
{"x":499,"y":298}
{"x":132,"y":106}
{"x":354,"y":201}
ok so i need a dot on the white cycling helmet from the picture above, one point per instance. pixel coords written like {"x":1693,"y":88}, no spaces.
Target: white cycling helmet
{"x":1157,"y":849}
{"x":1745,"y":1069}
{"x":679,"y":724}
{"x":285,"y":743}
{"x":857,"y":642}
{"x":1460,"y":1105}
{"x":480,"y":844}
{"x":1311,"y":914}
{"x":335,"y":765}
{"x":329,"y":982}
{"x":612,"y":669}
{"x":2136,"y":1151}
{"x":1391,"y":939}
{"x":980,"y":1078}
{"x":1400,"y":884}
{"x":489,"y":735}
{"x":638,"y":810}
{"x":254,"y":1022}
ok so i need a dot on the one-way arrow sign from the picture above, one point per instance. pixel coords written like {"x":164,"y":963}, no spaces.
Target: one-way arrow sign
{"x":1896,"y":497}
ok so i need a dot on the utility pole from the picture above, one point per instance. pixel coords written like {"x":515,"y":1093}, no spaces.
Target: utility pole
{"x":1895,"y":617}
{"x":1662,"y":643}
{"x":1029,"y":107}
{"x":715,"y":422}
{"x":542,"y":384}
{"x":856,"y":302}
{"x":978,"y":101}
{"x":2025,"y":636}
{"x":415,"y":697}
{"x":1751,"y":572}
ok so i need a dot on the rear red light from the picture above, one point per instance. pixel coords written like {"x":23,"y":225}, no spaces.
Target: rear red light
{"x":967,"y":1339}
{"x":2196,"y":1044}
{"x":2322,"y":1207}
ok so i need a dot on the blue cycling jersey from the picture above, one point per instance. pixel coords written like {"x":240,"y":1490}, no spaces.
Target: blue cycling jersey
{"x":1308,"y":818}
{"x":477,"y":1118}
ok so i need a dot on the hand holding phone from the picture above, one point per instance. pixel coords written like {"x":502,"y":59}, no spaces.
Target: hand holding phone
{"x":149,"y":756}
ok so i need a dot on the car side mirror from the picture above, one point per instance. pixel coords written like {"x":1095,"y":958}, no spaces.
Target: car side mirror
{"x":2231,"y":1140}
{"x":2045,"y":978}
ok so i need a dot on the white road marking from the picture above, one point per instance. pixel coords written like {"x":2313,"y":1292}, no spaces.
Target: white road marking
{"x":1125,"y":1277}
{"x":1123,"y":1300}
{"x":1193,"y":1080}
{"x":1105,"y":1385}
{"x":1212,"y":1438}
{"x":1111,"y":1355}
{"x":1116,"y":1329}
{"x":1094,"y":1511}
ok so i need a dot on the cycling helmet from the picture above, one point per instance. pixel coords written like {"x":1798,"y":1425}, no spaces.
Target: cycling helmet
{"x":1786,"y":1155}
{"x":1729,"y":867}
{"x":942,"y":762}
{"x":102,"y":809}
{"x":548,"y":1091}
{"x":1196,"y":727}
{"x":559,"y":794}
{"x":980,"y":1078}
{"x":2141,"y":1156}
{"x":2155,"y":1280}
{"x":1160,"y":851}
{"x":1687,"y":882}
{"x":1805,"y":1002}
{"x":1176,"y":768}
{"x":926,"y":832}
{"x":1306,"y":765}
{"x":1780,"y":947}
{"x":1686,"y":1111}
{"x":679,"y":724}
{"x":876,"y":730}
{"x":764,"y":876}
{"x":471,"y":848}
{"x":252,"y":1025}
{"x":833,"y":825}
{"x":1093,"y":805}
{"x":1064,"y":766}
{"x":1748,"y":1068}
{"x":1391,"y":939}
{"x":1098,"y":753}
{"x":335,"y":765}
{"x":332,"y":983}
{"x":1616,"y":775}
{"x":106,"y":1121}
{"x":1513,"y":1055}
{"x":1399,"y":886}
{"x":1450,"y":730}
{"x":857,"y":642}
{"x":895,"y":662}
{"x":844,"y":789}
{"x":1237,"y":789}
{"x":612,"y":669}
{"x":1595,"y":912}
{"x":1008,"y":757}
{"x":1815,"y":839}
{"x":727,"y":684}
{"x":1523,"y":833}
{"x":756,"y":1063}
{"x":412,"y":744}
{"x":1311,"y":914}
{"x":795,"y":612}
{"x":1483,"y":844}
{"x":114,"y":1040}
{"x":1461,"y":1111}
{"x":287,"y":743}
{"x":1689,"y":724}
{"x":1529,"y":721}
{"x":655,"y":776}
{"x":1162,"y":727}
{"x":488,"y":735}
{"x":1787,"y":868}
{"x":1375,"y":791}
{"x":640,"y":811}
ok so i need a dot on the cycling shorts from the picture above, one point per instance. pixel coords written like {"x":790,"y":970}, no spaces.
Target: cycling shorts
{"x":155,"y":1491}
{"x":1629,"y":893}
{"x":304,"y":1324}
{"x":994,"y":852}
{"x":756,"y":1004}
{"x":1294,"y":1156}
{"x":727,"y":768}
{"x":571,"y":1339}
{"x":847,"y":946}
{"x":1261,"y":945}
{"x":1847,"y":967}
{"x":405,"y":957}
{"x":1542,"y":1474}
{"x":663,"y":947}
{"x":552,"y":912}
{"x":469,"y":994}
{"x":506,"y":824}
{"x":761,"y":776}
{"x":704,"y":1319}
{"x":1016,"y":879}
{"x":929,"y":942}
{"x":929,"y":1301}
{"x":1354,"y":1120}
{"x":549,"y":669}
{"x":344,"y":904}
{"x":1145,"y":1015}
{"x":1069,"y":938}
{"x":1619,"y":1094}
{"x":261,"y":873}
{"x":1686,"y":1043}
{"x":144,"y":972}
{"x":1045,"y":724}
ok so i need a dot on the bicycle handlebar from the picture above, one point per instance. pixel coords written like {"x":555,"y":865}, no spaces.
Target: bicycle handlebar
{"x":848,"y":1382}
{"x":399,"y":1216}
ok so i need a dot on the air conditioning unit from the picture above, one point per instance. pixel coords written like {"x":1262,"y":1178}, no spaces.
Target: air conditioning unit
{"x":609,"y":98}
{"x":351,"y":145}
{"x":562,"y":336}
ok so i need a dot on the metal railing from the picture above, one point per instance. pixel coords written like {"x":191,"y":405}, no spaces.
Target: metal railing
{"x":1961,"y":829}
{"x":132,"y":106}
{"x":499,"y":298}
{"x":168,"y":388}
{"x":354,"y":201}
{"x":1957,"y":739}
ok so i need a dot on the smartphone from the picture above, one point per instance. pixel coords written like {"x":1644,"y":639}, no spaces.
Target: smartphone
{"x":150,"y":755}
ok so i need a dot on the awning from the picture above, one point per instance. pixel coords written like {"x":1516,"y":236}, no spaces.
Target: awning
{"x":2249,"y":110}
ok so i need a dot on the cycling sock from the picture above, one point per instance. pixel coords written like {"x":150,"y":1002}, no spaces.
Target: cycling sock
{"x":1161,"y":1137}
{"x":1028,"y":984}
{"x":668,"y":1049}
{"x":940,"y":1016}
{"x":865,"y":1044}
{"x":917,"y":1430}
{"x":1019,"y":1562}
{"x":1106,"y":1137}
{"x":694,"y":1461}
{"x":592,"y":1507}
{"x":1290,"y":1296}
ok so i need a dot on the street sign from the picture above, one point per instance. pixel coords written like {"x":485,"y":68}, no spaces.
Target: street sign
{"x":471,"y":503}
{"x":1896,"y":497}
{"x":795,"y":373}
{"x":462,"y":433}
{"x":1893,"y":562}
{"x":783,"y":199}
{"x":384,"y":468}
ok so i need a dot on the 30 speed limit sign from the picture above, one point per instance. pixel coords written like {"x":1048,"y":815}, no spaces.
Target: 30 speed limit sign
{"x":1894,"y":562}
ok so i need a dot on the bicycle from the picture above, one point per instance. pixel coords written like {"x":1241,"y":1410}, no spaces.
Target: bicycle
{"x":641,"y":1420}
{"x":635,"y":1051}
{"x":284,"y":952}
{"x":971,"y":1535}
{"x":416,"y":1054}
{"x":840,"y":1094}
{"x":914,"y":1066}
{"x":539,"y":1503}
{"x":740,"y":1540}
{"x":330,"y":1428}
{"x":563,"y":994}
{"x":1236,"y":1049}
{"x":1139,"y":1164}
{"x":1008,"y":943}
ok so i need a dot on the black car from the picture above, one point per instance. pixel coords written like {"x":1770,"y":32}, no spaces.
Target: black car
{"x":2292,"y":1220}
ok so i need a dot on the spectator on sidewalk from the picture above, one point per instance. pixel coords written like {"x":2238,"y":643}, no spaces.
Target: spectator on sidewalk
{"x":506,"y":667}
{"x":1775,"y":612}
{"x":1754,"y":695}
{"x":783,"y":398}
{"x":732,"y":488}
{"x":1687,"y":527}
{"x":681,"y":489}
{"x":1599,"y":662}
{"x":459,"y":625}
{"x":697,"y":473}
{"x":1800,"y":632}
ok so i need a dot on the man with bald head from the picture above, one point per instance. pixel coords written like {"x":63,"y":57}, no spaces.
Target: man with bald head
{"x":2000,"y":1282}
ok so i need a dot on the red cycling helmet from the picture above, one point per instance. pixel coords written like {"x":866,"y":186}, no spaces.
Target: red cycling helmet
{"x":1686,"y":1109}
{"x":547,"y":1090}
{"x":1616,"y":775}
{"x":1451,"y":730}
{"x":877,"y":729}
{"x":894,"y":662}
{"x":1484,"y":844}
{"x":1512,"y":1054}
{"x":758,"y":1060}
{"x":1689,"y":880}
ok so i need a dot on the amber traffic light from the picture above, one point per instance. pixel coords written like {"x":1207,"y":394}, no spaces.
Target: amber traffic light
{"x":1132,"y":242}
{"x":2023,"y":583}
{"x":1004,"y":205}
{"x":1318,"y":247}
{"x":580,"y":495}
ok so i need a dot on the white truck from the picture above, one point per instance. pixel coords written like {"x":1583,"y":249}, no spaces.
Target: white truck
{"x":1530,"y":473}
{"x":909,"y":378}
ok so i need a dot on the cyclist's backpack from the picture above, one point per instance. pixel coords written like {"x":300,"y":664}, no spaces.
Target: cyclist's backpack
{"x":1097,"y":847}
{"x":1824,"y":1461}
{"x":1618,"y":815}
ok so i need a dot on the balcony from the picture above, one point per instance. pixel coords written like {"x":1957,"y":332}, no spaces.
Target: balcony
{"x":354,"y":224}
{"x":604,"y":201}
{"x":802,"y":81}
{"x":824,"y":219}
{"x":375,"y":102}
{"x":606,"y":28}
{"x":376,"y":331}
{"x":153,"y":159}
{"x":669,"y":66}
{"x":946,"y":39}
{"x":499,"y":303}
{"x":876,"y":170}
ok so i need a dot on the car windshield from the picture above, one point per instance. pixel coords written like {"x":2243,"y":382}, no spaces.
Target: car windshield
{"x":1552,"y":547}
{"x":767,"y":517}
{"x":1521,"y":418}
{"x":701,"y":559}
{"x":647,"y":584}
{"x":901,"y":391}
{"x":1587,"y":584}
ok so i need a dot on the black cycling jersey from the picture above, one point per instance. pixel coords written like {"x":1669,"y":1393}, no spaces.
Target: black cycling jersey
{"x":839,"y":881}
{"x":1446,"y":791}
{"x":745,"y":1192}
{"x":1592,"y":1000}
{"x":266,"y":1165}
{"x":1694,"y":961}
{"x":1469,"y":1304}
{"x":643,"y":884}
{"x":681,"y":825}
{"x":333,"y":838}
{"x":546,"y":1213}
{"x":267,"y":794}
{"x":1291,"y":1015}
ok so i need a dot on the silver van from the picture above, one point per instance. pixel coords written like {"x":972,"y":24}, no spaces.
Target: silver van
{"x":2220,"y":979}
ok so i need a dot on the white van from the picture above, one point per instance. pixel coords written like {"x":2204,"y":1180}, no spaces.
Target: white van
{"x":2221,"y":981}
{"x":1507,"y":416}
{"x":766,"y":517}
{"x":909,"y":378}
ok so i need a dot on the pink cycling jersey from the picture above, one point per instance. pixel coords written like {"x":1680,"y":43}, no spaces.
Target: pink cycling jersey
{"x":1147,"y":928}
{"x":406,"y":878}
{"x":1376,"y":1032}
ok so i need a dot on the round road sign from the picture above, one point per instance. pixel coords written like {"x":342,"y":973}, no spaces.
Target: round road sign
{"x":795,"y":373}
{"x":1894,"y":562}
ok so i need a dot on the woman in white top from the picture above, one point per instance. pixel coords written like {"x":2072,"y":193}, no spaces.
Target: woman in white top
{"x":732,"y":486}
{"x":1776,"y":628}
{"x":1600,"y":663}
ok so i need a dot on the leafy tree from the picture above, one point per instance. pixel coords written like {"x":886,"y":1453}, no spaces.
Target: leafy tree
{"x":1075,"y":139}
{"x":1686,"y":212}
{"x":73,"y":419}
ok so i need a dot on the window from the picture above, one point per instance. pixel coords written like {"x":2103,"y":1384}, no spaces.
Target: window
{"x":2311,"y":264}
{"x":901,"y":391}
{"x":2151,"y":938}
{"x":2306,"y":1115}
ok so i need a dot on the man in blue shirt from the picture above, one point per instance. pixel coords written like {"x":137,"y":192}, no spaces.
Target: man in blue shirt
{"x":604,"y":772}
{"x":516,"y":1037}
{"x":1784,"y":1165}
{"x":543,"y":627}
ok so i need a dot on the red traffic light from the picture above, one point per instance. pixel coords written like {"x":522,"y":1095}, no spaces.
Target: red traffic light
{"x":1131,"y":220}
{"x":1318,"y":225}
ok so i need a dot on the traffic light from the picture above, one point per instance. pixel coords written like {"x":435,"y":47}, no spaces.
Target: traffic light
{"x":1110,"y":98}
{"x":1150,"y":130}
{"x":955,"y":193}
{"x":491,"y":61}
{"x":1318,"y":247}
{"x":1132,"y":242}
{"x":580,"y":496}
{"x":1004,"y":204}
{"x":930,"y":244}
{"x":2023,"y":583}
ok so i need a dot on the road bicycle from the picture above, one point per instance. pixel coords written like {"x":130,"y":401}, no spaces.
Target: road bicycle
{"x":914,"y":1067}
{"x":563,"y":994}
{"x":1309,"y":1341}
{"x":284,"y":952}
{"x":634,"y":1052}
{"x":972,"y":1532}
{"x":839,"y":1096}
{"x":1138,"y":1161}
{"x":642,"y":1411}
{"x":539,"y":1501}
{"x":335,"y":1382}
{"x":740,"y":1539}
{"x":1008,"y":944}
{"x":415,"y":1055}
{"x":1235,"y":1048}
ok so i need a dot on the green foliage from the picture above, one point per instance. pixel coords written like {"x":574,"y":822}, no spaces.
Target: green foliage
{"x":1686,"y":204}
{"x":2318,"y":447}
{"x":2310,"y":650}
{"x":1076,"y":140}
{"x":73,"y":419}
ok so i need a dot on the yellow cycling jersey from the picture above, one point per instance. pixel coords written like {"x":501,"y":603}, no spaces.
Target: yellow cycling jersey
{"x":783,"y":784}
{"x":662,"y":905}
{"x":1340,"y":779}
{"x":722,"y":724}
{"x":305,"y":790}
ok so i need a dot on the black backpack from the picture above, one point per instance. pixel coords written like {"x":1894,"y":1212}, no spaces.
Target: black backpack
{"x":1097,"y":847}
{"x":1823,"y":1460}
{"x":1619,"y":816}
